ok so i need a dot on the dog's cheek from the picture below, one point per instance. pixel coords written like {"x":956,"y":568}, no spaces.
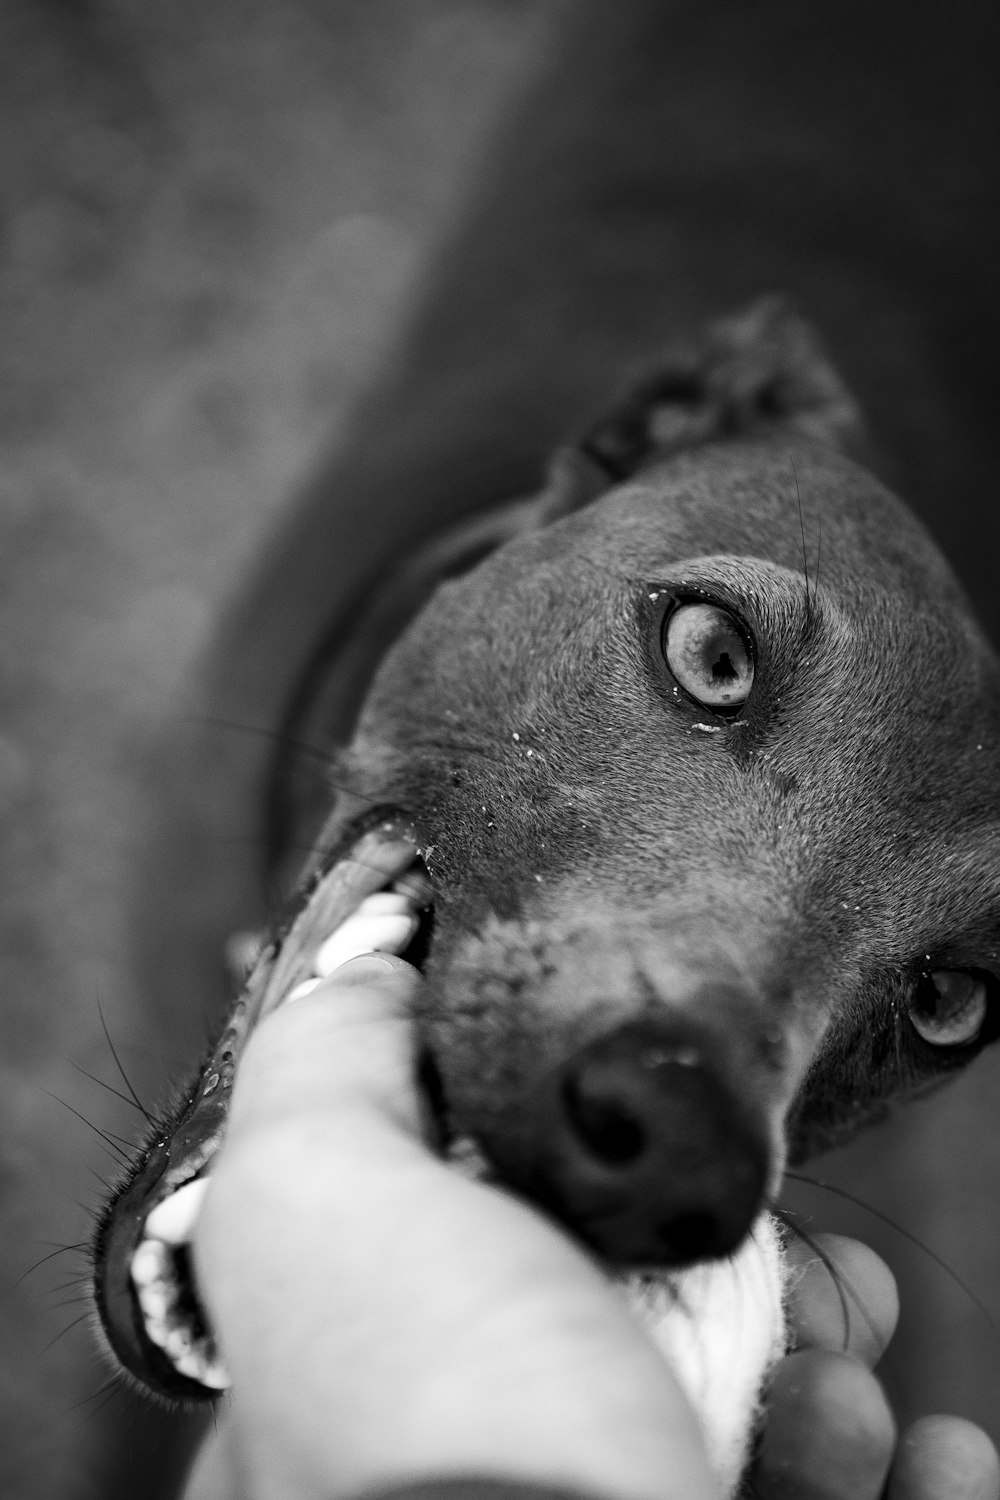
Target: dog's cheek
{"x":867,"y":1064}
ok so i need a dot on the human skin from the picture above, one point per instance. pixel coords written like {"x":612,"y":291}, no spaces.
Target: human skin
{"x":387,"y":1321}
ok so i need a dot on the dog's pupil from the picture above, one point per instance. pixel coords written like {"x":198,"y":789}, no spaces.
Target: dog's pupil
{"x":722,"y":668}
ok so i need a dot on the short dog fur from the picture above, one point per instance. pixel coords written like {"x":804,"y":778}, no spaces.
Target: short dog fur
{"x":677,"y":941}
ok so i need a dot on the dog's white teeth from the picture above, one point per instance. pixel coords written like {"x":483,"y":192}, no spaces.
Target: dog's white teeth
{"x":305,"y":988}
{"x":157,"y":1276}
{"x":190,"y":1364}
{"x":384,"y":923}
{"x":157,"y":1301}
{"x":173,"y":1220}
{"x":213,"y":1373}
{"x":415,"y":885}
{"x":465,"y":1157}
{"x":150,"y":1263}
{"x":178,"y":1344}
{"x":157,"y":1331}
{"x":206,"y":1369}
{"x":385,"y":904}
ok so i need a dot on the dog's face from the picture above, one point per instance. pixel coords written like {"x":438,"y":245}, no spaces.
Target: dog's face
{"x":677,"y":799}
{"x":703,"y":775}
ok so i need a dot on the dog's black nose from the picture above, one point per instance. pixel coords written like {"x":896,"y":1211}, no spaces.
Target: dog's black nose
{"x":646,"y":1150}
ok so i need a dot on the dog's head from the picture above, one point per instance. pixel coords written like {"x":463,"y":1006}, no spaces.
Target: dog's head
{"x":700,"y":828}
{"x":703,"y":775}
{"x":701,"y":765}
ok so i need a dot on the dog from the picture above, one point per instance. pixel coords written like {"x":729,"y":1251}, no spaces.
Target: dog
{"x":680,"y":786}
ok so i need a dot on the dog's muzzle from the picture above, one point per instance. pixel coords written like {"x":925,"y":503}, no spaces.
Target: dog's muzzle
{"x":643,"y":1147}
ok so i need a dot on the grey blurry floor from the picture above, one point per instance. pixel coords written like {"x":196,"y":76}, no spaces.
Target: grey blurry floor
{"x":214,"y":218}
{"x":226,"y":226}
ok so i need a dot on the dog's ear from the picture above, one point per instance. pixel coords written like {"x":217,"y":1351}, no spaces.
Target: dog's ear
{"x":762,"y":371}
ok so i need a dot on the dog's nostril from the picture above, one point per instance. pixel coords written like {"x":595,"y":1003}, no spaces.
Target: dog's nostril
{"x":608,"y":1131}
{"x":689,"y":1237}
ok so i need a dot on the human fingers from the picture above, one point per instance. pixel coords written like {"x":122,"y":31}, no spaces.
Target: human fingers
{"x":843,"y":1300}
{"x":829,"y":1433}
{"x":314,"y":1055}
{"x":944,"y":1458}
{"x":842,"y":1297}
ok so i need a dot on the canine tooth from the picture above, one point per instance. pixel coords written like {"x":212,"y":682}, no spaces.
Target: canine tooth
{"x":383,"y":903}
{"x":363,"y":934}
{"x":206,"y":1371}
{"x":190,"y":1365}
{"x":174,"y":1219}
{"x":201,"y":1364}
{"x":151,"y":1262}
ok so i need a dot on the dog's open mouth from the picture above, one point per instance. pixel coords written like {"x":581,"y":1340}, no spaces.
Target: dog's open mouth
{"x":375,"y":897}
{"x":373,"y":893}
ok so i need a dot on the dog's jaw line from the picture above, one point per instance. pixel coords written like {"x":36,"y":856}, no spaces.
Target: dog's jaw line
{"x":160,"y":1273}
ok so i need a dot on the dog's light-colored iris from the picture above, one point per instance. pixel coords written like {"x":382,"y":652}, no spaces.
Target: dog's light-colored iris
{"x":950,"y":1008}
{"x":708,"y":656}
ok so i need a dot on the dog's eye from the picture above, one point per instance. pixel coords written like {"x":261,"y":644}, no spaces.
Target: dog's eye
{"x":708,"y":656}
{"x":949,"y":1007}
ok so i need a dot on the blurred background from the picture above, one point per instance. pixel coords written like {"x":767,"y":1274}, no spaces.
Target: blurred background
{"x":283,"y":288}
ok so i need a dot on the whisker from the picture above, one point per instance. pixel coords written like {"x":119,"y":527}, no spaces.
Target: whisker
{"x":68,"y":1329}
{"x":105,"y":1135}
{"x":82,"y":1295}
{"x":905,"y":1234}
{"x":124,"y":1076}
{"x":107,"y":1390}
{"x":277,"y":736}
{"x":785,"y":1216}
{"x":81,"y":1246}
{"x":101,"y":1083}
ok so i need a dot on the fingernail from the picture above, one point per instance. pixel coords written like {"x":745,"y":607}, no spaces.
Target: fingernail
{"x":364,"y":969}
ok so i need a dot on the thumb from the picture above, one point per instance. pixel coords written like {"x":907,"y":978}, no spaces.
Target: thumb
{"x":347,"y":1043}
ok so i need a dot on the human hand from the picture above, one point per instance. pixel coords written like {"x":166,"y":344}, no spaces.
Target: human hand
{"x":387,"y":1321}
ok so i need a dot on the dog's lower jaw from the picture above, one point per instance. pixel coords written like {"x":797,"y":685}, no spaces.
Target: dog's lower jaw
{"x":721,"y":1328}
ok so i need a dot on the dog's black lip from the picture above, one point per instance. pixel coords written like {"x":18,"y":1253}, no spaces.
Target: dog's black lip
{"x":118,"y":1235}
{"x":432,"y":1091}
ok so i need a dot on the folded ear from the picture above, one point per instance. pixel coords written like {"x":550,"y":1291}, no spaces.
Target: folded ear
{"x":762,"y":371}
